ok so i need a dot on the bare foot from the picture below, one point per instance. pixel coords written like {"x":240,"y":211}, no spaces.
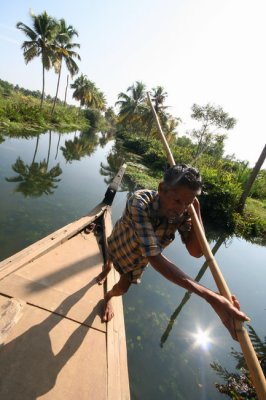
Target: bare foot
{"x":108,"y":312}
{"x":101,"y":278}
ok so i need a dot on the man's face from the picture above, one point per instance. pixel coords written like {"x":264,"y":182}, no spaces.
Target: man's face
{"x":175,"y":201}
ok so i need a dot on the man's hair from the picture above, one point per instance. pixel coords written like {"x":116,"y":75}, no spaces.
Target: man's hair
{"x":183,"y":175}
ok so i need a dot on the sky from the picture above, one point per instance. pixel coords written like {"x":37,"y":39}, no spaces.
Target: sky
{"x":200,"y":51}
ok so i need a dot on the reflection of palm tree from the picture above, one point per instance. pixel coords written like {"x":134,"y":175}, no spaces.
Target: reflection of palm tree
{"x":35,"y":180}
{"x":79,"y":147}
{"x":115,"y":159}
{"x":105,"y":138}
{"x":187,"y":295}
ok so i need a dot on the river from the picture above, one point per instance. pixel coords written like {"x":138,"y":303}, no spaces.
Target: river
{"x":49,"y":180}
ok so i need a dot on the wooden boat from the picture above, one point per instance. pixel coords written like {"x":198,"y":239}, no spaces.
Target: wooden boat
{"x":53,"y":344}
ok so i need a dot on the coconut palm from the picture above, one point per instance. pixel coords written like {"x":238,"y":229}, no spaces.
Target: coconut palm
{"x":131,"y":105}
{"x":158,"y":96}
{"x":41,"y":38}
{"x":64,"y":51}
{"x":80,"y":86}
{"x":88,"y":94}
{"x":94,"y":98}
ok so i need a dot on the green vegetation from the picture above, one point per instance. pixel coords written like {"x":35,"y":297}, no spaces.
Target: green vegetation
{"x":20,"y":112}
{"x":238,"y":386}
{"x":223,"y":185}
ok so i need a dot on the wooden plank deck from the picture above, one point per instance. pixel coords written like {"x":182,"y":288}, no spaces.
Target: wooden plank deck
{"x":53,"y":344}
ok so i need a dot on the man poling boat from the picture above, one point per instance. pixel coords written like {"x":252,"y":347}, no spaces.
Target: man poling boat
{"x":242,"y":336}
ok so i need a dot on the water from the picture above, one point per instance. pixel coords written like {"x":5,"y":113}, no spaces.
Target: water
{"x":165,"y":361}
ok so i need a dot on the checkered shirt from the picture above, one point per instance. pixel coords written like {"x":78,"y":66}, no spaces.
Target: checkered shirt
{"x":142,"y":232}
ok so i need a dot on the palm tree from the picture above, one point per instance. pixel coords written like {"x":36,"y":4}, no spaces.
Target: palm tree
{"x":80,"y":87}
{"x":131,"y":106}
{"x":41,"y":38}
{"x":158,"y":96}
{"x":63,"y":50}
{"x":94,"y":98}
{"x":88,"y":94}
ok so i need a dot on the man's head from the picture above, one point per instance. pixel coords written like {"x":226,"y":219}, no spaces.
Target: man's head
{"x":180,"y":186}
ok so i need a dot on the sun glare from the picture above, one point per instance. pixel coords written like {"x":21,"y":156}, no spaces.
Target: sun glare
{"x":202,"y":339}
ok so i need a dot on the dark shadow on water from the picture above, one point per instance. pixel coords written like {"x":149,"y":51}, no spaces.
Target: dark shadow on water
{"x":28,"y":366}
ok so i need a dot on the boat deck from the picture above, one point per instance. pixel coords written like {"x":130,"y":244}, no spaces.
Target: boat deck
{"x":53,"y":344}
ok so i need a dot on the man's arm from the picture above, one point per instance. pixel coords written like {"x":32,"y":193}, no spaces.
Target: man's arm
{"x":224,"y":309}
{"x":191,"y":241}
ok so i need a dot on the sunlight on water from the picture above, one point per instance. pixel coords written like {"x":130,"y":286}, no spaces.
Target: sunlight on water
{"x":202,"y":339}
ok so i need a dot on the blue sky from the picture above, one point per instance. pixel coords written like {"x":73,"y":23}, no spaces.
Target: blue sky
{"x":200,"y":51}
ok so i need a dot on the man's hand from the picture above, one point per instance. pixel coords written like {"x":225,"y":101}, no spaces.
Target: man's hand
{"x":228,"y":312}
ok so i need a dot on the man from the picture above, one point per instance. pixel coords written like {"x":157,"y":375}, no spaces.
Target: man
{"x":147,"y":226}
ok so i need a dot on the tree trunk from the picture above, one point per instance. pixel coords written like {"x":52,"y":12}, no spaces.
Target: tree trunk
{"x":251,"y":180}
{"x":66,"y":90}
{"x":36,"y":148}
{"x":57,"y":87}
{"x":42,"y":97}
{"x":49,"y":147}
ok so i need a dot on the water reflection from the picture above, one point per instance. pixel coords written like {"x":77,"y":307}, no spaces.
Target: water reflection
{"x":35,"y":179}
{"x":202,"y":339}
{"x":187,"y":295}
{"x":83,"y":145}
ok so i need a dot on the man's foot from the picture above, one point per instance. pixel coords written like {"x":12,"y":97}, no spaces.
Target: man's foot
{"x":108,"y":313}
{"x":101,"y":278}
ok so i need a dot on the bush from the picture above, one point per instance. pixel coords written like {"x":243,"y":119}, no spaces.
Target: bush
{"x":220,"y":197}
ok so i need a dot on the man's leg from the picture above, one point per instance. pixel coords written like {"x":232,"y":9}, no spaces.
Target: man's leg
{"x":118,"y":289}
{"x":103,"y":275}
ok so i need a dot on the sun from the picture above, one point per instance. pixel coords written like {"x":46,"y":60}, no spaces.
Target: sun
{"x":202,"y":339}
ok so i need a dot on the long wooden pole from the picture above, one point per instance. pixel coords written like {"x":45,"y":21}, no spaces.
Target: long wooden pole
{"x":250,"y":356}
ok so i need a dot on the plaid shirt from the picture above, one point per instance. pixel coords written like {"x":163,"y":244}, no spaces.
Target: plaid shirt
{"x":142,"y":232}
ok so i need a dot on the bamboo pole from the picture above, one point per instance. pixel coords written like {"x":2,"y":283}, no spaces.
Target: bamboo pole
{"x":250,"y":356}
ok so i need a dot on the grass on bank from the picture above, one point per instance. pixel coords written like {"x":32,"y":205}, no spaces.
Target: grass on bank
{"x":19,"y":112}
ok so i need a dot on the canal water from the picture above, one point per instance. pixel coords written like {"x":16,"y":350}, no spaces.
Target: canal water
{"x":49,"y":180}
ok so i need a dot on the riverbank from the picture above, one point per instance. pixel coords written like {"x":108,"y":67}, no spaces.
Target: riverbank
{"x":23,"y":113}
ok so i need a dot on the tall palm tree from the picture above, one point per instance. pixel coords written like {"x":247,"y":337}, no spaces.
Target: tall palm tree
{"x":41,"y":37}
{"x":63,"y":50}
{"x":158,"y":96}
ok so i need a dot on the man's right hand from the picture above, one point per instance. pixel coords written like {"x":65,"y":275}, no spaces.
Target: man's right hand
{"x":228,"y":312}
